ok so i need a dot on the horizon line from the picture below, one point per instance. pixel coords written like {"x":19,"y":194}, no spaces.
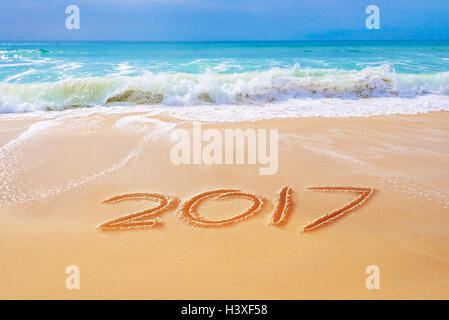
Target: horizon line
{"x":206,"y":41}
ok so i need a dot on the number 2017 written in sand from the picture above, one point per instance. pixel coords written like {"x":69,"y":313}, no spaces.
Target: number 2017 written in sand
{"x":188,"y":211}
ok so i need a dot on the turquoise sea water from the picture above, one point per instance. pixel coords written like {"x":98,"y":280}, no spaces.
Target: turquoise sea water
{"x":60,"y":75}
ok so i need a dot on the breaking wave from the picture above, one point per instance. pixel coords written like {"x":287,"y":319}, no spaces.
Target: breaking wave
{"x":249,"y":88}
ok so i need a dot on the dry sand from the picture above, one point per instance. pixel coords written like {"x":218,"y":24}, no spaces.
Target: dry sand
{"x":55,"y":177}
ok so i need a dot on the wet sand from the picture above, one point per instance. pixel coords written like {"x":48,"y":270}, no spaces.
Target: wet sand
{"x":57,"y":174}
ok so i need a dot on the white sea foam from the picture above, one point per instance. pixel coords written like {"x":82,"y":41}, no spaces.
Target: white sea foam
{"x":69,"y":66}
{"x":12,"y":164}
{"x":19,"y":75}
{"x":293,"y":108}
{"x":123,"y":69}
{"x":182,"y":89}
{"x":275,"y":93}
{"x":16,"y":165}
{"x":139,"y":123}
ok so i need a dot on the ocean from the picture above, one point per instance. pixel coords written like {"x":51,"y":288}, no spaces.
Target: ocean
{"x":221,"y":81}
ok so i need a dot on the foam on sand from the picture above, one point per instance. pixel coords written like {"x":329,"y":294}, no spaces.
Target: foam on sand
{"x":16,"y":164}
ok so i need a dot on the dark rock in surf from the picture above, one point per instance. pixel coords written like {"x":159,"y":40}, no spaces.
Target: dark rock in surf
{"x":136,"y":97}
{"x":205,"y":97}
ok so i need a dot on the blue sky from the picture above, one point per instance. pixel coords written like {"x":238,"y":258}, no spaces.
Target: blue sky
{"x":209,"y":20}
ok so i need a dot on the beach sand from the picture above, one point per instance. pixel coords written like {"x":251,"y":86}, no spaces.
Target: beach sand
{"x":55,"y":175}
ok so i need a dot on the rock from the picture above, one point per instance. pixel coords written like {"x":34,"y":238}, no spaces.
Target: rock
{"x":205,"y":97}
{"x":136,"y":97}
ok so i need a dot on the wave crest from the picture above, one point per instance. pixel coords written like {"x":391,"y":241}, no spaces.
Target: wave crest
{"x":183,"y":89}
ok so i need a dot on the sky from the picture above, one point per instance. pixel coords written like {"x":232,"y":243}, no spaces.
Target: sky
{"x":223,"y":20}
